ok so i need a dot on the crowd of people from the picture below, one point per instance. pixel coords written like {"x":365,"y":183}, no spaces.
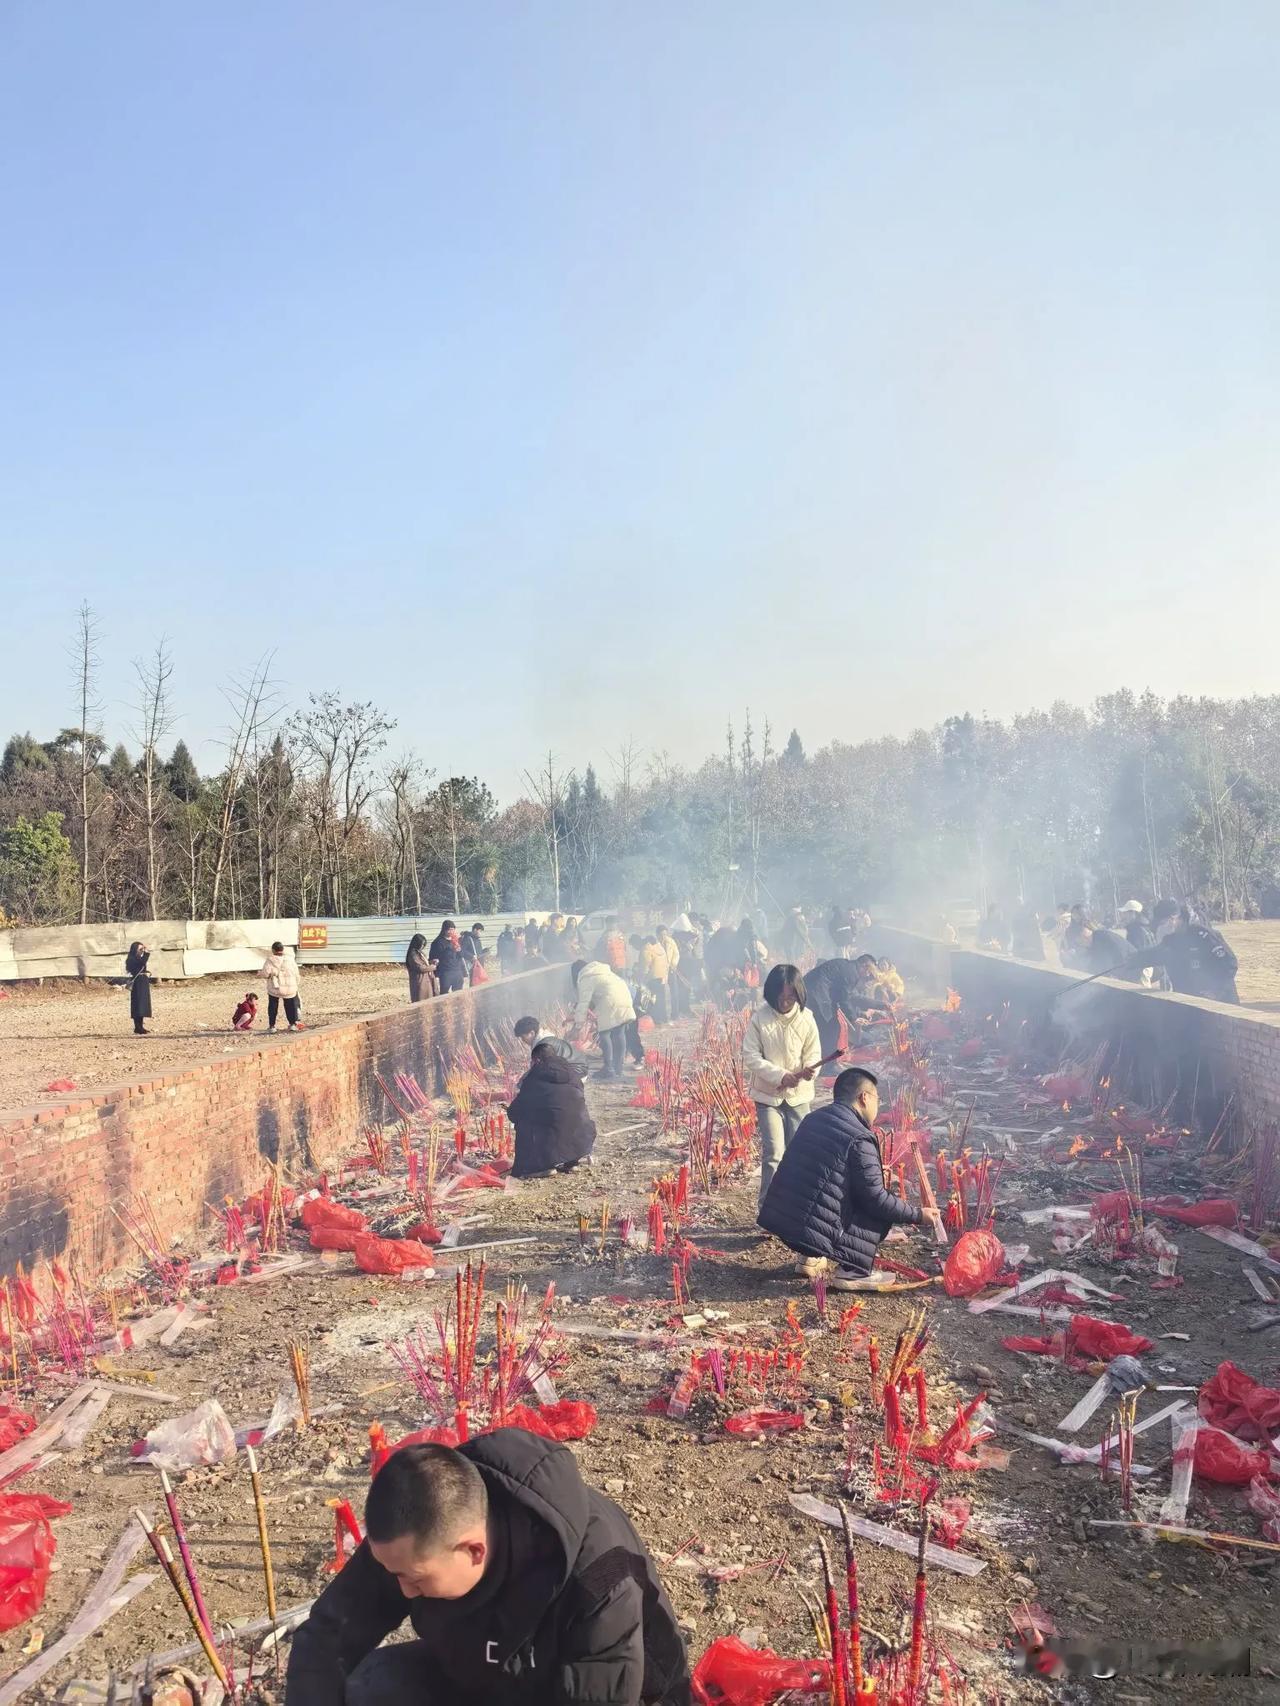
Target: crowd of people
{"x":1166,"y":947}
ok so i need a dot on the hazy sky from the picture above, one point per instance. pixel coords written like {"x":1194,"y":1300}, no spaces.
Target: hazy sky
{"x":564,"y":373}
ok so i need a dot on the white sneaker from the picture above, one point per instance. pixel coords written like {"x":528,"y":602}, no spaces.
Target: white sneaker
{"x":813,"y":1267}
{"x":876,"y":1280}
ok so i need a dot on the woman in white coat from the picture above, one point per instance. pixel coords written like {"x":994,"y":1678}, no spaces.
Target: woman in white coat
{"x":607,"y":996}
{"x":781,"y":1055}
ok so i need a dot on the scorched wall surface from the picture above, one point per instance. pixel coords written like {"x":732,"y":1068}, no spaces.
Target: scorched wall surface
{"x":188,"y":1139}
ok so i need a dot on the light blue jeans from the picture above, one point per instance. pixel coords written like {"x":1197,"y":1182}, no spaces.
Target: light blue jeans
{"x":777,"y":1126}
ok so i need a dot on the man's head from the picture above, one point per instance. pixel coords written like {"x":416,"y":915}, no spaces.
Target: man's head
{"x":427,"y":1522}
{"x":1078,"y":913}
{"x":664,"y":935}
{"x":1131,"y":910}
{"x":527,"y":1029}
{"x":1167,"y":917}
{"x":858,"y":1089}
{"x":865,"y":965}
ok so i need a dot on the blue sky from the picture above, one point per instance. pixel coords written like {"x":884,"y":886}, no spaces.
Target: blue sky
{"x":569,"y":373}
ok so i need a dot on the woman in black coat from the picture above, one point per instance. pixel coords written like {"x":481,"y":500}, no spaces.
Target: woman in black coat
{"x":446,"y":957}
{"x":135,"y":966}
{"x":421,"y":983}
{"x":553,"y":1128}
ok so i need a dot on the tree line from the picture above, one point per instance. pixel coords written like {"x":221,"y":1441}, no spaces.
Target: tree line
{"x":313,"y":812}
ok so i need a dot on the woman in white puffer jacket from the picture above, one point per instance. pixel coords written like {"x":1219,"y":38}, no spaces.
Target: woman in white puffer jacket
{"x":608,"y":997}
{"x":781,"y":1055}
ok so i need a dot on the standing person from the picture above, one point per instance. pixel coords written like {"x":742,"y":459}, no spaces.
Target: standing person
{"x":1132,"y":920}
{"x":446,"y":959}
{"x":522,"y":1585}
{"x":602,"y":992}
{"x":795,"y":940}
{"x":554,"y":1131}
{"x":834,"y":987}
{"x":281,"y":972}
{"x":752,"y":953}
{"x":612,"y":947}
{"x":679,"y":1006}
{"x":1075,"y":937}
{"x":828,"y":1200}
{"x":689,"y":974}
{"x":418,"y":966}
{"x":135,"y":966}
{"x":1028,"y":943}
{"x":532,"y":940}
{"x":781,"y":1054}
{"x":508,"y":951}
{"x":1196,"y":958}
{"x":655,"y":969}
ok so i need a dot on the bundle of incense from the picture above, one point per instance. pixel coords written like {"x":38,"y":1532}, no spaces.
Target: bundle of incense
{"x":914,"y":1694}
{"x":300,"y":1366}
{"x":927,"y":1197}
{"x":856,"y":1679}
{"x":873,"y":1362}
{"x":160,"y":1546}
{"x":838,"y":1695}
{"x":263,"y":1543}
{"x":184,"y":1552}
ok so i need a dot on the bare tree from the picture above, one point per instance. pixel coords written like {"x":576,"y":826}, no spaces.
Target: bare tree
{"x":404,"y":781}
{"x":550,"y":787}
{"x":88,"y":742}
{"x":252,"y":704}
{"x":336,"y":743}
{"x":154,"y":722}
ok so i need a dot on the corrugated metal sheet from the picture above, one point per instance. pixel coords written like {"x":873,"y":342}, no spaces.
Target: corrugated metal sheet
{"x":382,"y":941}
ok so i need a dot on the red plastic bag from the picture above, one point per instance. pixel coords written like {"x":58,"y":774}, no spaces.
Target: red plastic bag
{"x":1264,"y":1502}
{"x":59,"y":1086}
{"x":478,"y":974}
{"x":479,"y":1179}
{"x":335,"y":1237}
{"x":751,"y":1424}
{"x":1222,"y":1459}
{"x":730,"y":1673}
{"x":1051,"y":1347}
{"x":15,"y":1424}
{"x":1234,"y":1400}
{"x":27,"y":1546}
{"x":390,"y":1255}
{"x":570,"y":1418}
{"x":974,"y":1262}
{"x":1102,"y":1340}
{"x":1217,"y":1211}
{"x":323,"y":1211}
{"x":425,"y":1233}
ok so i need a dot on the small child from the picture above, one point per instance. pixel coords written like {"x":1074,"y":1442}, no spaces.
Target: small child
{"x":244,"y":1015}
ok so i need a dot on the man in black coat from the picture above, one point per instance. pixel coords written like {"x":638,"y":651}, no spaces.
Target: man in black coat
{"x":554,"y":1131}
{"x":842,"y":986}
{"x":827,"y":1200}
{"x":524,"y":1586}
{"x":445,"y":956}
{"x":1196,"y":959}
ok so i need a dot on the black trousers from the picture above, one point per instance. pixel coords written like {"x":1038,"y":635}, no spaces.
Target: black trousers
{"x":273,"y":1009}
{"x":828,"y":1032}
{"x":402,"y":1675}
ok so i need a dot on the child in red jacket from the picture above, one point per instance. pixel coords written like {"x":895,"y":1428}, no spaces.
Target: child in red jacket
{"x":244,"y":1015}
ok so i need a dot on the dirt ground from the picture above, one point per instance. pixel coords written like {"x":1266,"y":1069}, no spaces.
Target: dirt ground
{"x":82,"y":1032}
{"x":703,"y":1499}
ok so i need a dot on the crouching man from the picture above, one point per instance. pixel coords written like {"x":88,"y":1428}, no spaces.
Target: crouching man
{"x":522,"y":1585}
{"x":828,"y":1201}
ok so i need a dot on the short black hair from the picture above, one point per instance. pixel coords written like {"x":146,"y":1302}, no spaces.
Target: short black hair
{"x":447,"y":925}
{"x":575,"y":971}
{"x":849,"y":1084}
{"x":429,"y":1491}
{"x":865,"y":960}
{"x":1167,"y":908}
{"x":276,"y":947}
{"x":777,"y":981}
{"x":551,"y":1047}
{"x":528,"y":1023}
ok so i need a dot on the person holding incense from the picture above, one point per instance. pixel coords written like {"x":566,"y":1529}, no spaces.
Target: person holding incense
{"x":445,"y":959}
{"x":135,"y":966}
{"x":523,"y":1585}
{"x":848,"y":987}
{"x":421,"y":980}
{"x":554,"y":1131}
{"x":828,"y":1200}
{"x":604,"y":993}
{"x":781,"y":1055}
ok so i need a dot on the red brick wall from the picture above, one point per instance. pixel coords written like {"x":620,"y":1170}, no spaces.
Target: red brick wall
{"x":195,"y":1137}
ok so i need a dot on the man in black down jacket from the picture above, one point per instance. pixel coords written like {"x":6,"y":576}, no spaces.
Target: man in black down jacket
{"x":841,"y":986}
{"x":524,"y":1586}
{"x":554,"y":1131}
{"x":828,"y":1200}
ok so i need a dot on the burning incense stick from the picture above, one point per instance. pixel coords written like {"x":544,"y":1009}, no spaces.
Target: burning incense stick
{"x":838,"y":1696}
{"x":917,"y":1615}
{"x":263,"y":1542}
{"x":184,"y":1552}
{"x":855,"y":1613}
{"x":300,"y":1364}
{"x":160,"y":1546}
